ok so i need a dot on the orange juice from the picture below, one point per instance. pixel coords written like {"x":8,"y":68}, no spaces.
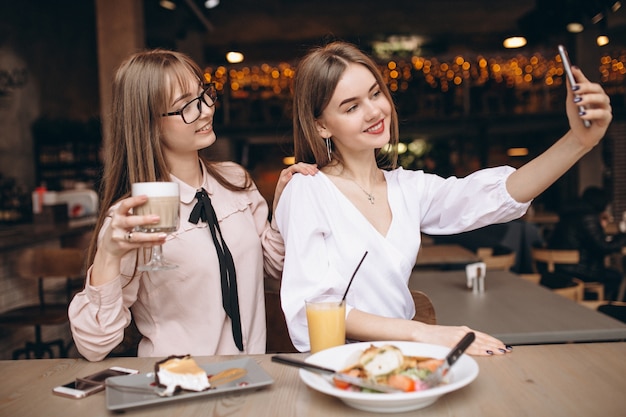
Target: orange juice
{"x":326,"y":319}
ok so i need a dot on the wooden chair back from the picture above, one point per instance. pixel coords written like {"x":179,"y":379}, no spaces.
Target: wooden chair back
{"x":552,"y":257}
{"x":532,"y":277}
{"x":278,"y":340}
{"x":424,"y":309}
{"x":42,"y":264}
{"x":49,"y":263}
{"x":496,"y":262}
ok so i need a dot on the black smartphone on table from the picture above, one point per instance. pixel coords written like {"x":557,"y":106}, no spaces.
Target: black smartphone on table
{"x":567,"y":67}
{"x":90,"y":384}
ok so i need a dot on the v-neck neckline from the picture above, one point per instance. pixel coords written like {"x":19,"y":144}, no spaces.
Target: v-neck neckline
{"x":355,"y":208}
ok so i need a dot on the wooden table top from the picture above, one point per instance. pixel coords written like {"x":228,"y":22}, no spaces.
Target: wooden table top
{"x":445,"y":255}
{"x":513,"y":309}
{"x":545,"y":380}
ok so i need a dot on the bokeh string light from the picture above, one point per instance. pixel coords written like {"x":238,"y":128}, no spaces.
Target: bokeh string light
{"x":517,"y":71}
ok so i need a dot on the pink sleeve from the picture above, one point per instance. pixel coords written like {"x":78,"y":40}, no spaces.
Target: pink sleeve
{"x":99,"y":315}
{"x":271,"y":240}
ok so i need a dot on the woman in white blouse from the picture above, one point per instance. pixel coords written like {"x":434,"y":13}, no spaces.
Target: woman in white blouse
{"x":360,"y":201}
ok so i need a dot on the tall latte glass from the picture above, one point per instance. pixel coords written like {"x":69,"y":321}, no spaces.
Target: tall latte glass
{"x":164,"y":201}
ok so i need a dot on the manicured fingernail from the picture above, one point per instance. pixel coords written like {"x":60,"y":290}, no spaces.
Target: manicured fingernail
{"x":508,"y":347}
{"x":502,"y":350}
{"x":162,"y":235}
{"x":489,"y":352}
{"x":575,"y":87}
{"x":578,"y":99}
{"x":582,"y":113}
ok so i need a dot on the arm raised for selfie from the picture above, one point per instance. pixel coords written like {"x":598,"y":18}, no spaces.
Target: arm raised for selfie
{"x":537,"y":175}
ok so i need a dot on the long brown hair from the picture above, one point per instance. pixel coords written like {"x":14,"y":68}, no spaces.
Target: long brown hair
{"x":143,"y":87}
{"x":316,"y":78}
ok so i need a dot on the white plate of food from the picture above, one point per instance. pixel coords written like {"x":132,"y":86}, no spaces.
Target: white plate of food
{"x":342,"y":357}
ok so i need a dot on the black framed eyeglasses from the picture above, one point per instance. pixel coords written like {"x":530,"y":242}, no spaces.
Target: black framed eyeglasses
{"x":191,"y":111}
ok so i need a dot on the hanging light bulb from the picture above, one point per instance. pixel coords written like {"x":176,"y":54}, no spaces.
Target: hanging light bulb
{"x":514,"y":42}
{"x":167,"y":4}
{"x":575,"y":27}
{"x":602,"y":40}
{"x":234,"y":57}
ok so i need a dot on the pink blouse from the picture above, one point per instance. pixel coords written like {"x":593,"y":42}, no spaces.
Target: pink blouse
{"x":180,"y":311}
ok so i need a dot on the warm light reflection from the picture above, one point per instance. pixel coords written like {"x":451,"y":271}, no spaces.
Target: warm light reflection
{"x":575,"y":27}
{"x":517,"y":152}
{"x":602,"y":40}
{"x":521,"y":71}
{"x":167,"y":4}
{"x":514,"y":42}
{"x":234,"y":57}
{"x":289,"y":160}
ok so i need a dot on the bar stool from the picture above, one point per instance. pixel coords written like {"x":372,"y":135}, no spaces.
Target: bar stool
{"x":44,"y":265}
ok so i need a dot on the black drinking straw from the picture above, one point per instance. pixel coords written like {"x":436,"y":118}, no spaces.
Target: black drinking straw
{"x":353,"y":274}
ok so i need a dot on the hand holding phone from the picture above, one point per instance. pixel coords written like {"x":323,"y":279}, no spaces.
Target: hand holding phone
{"x":567,"y":66}
{"x":90,"y":384}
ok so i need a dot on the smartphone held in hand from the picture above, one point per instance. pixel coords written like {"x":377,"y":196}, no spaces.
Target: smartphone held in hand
{"x":85,"y":386}
{"x":567,"y":67}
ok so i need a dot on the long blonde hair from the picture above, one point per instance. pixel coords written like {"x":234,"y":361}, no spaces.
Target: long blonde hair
{"x":316,"y":78}
{"x":143,"y":87}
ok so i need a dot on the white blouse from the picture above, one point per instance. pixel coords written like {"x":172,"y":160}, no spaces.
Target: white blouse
{"x":326,"y":236}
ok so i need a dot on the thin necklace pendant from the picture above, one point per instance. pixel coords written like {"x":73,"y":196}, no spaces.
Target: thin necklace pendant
{"x":370,"y":196}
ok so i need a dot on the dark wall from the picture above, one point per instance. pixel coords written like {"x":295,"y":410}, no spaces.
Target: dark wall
{"x":57,"y":39}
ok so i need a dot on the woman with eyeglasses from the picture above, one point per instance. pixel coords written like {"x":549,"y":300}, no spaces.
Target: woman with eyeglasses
{"x":162,"y":116}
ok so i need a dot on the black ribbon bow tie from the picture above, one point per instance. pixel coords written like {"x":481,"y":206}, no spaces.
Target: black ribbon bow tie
{"x":203,"y":210}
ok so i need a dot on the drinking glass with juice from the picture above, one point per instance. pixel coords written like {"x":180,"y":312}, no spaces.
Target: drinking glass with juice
{"x":326,"y":318}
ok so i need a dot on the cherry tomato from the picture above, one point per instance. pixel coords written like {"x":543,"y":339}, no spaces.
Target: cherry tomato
{"x":402,"y":382}
{"x":341,"y":384}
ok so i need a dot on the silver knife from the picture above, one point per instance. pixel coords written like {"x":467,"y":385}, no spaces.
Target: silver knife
{"x":331,"y":373}
{"x":435,"y":378}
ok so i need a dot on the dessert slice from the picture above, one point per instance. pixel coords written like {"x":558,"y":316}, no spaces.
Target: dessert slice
{"x":181,"y":372}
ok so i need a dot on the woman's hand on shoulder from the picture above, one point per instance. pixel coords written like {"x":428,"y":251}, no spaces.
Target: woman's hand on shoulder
{"x":597,"y":109}
{"x":286,"y":175}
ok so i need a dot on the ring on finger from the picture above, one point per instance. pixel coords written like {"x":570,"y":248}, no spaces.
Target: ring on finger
{"x":129,"y":236}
